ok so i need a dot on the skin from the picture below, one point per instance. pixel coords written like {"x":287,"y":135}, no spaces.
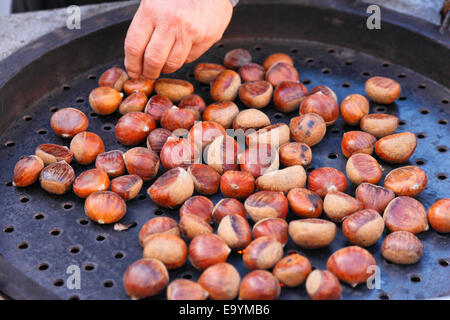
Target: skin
{"x":165,"y":34}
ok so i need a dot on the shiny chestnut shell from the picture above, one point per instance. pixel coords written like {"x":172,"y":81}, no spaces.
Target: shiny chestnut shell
{"x":105,"y":207}
{"x":252,"y":72}
{"x":325,"y":90}
{"x":288,"y":96}
{"x":228,"y":206}
{"x":405,"y":214}
{"x":406,"y":181}
{"x":259,"y":159}
{"x":259,"y":285}
{"x":237,"y":58}
{"x":266,"y":204}
{"x":221,"y":281}
{"x":221,"y":112}
{"x":68,"y":122}
{"x":272,"y":227}
{"x":237,"y":184}
{"x":292,"y":270}
{"x":90,"y":181}
{"x":321,"y":104}
{"x":305,"y":203}
{"x":353,"y":108}
{"x":338,"y":205}
{"x":57,"y":178}
{"x":179,"y":152}
{"x":256,"y":94}
{"x":379,"y":124}
{"x":222,"y":154}
{"x":402,"y":247}
{"x":250,"y":119}
{"x":374,"y":197}
{"x":383,"y":90}
{"x":326,"y":179}
{"x":226,"y":85}
{"x":112,"y":162}
{"x":396,"y":148}
{"x":362,"y":167}
{"x":114,"y":78}
{"x":276,"y":134}
{"x":167,"y":248}
{"x":308,"y":128}
{"x":280,"y":72}
{"x":133,"y":103}
{"x":27,"y":171}
{"x":295,"y":153}
{"x":105,"y":100}
{"x":157,"y":138}
{"x":262,"y":253}
{"x":86,"y":146}
{"x":139,"y":85}
{"x":128,"y":187}
{"x":323,"y":285}
{"x":204,"y":132}
{"x":206,"y":179}
{"x":194,"y":102}
{"x":156,"y":106}
{"x":207,"y":72}
{"x":158,"y":225}
{"x":439,"y":215}
{"x":363,"y":228}
{"x":206,"y":250}
{"x":235,"y":231}
{"x":51,"y":153}
{"x":134,"y":127}
{"x":357,"y":142}
{"x":142,"y":162}
{"x":275,"y":58}
{"x":199,"y":206}
{"x":183,"y":289}
{"x":175,"y":118}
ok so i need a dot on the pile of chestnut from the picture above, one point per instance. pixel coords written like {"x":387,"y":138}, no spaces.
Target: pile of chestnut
{"x":260,"y":180}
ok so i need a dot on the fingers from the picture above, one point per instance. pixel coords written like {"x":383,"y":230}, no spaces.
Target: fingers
{"x":197,"y":51}
{"x":177,"y":56}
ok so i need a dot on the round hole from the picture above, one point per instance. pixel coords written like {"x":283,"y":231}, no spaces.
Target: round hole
{"x":220,"y":45}
{"x":257,"y":48}
{"x":23,"y":246}
{"x":346,"y":85}
{"x":306,"y":81}
{"x":443,"y":262}
{"x":141,"y":197}
{"x":8,"y":229}
{"x":294,"y":50}
{"x":402,"y":98}
{"x":443,"y":121}
{"x":191,"y":75}
{"x":384,"y":296}
{"x":278,"y":116}
{"x":442,"y":149}
{"x":424,"y":111}
{"x":401,"y":75}
{"x":93,"y":114}
{"x":326,"y":71}
{"x":55,"y":232}
{"x":74,"y":298}
{"x":9,"y":184}
{"x":444,"y":101}
{"x":380,"y":109}
{"x":10,"y":144}
{"x":75,"y":250}
{"x":421,"y":135}
{"x":39,"y":216}
{"x":119,"y":255}
{"x":100,"y":238}
{"x":366,"y":73}
{"x":58,"y":283}
{"x":402,"y":122}
{"x":442,"y":176}
{"x":89,"y":267}
{"x":309,"y":60}
{"x":206,"y":88}
{"x":415,"y":278}
{"x":332,"y":156}
{"x":348,"y":63}
{"x":43,"y":267}
{"x":66,"y":87}
{"x":386,"y":64}
{"x":159,"y":212}
{"x":421,"y":86}
{"x":42,"y":131}
{"x":92,"y":77}
{"x":27,"y":118}
{"x":53,"y":109}
{"x":187,"y":276}
{"x":83,"y":222}
{"x":420,"y":162}
{"x":24,"y":199}
{"x":107,"y":127}
{"x":68,"y":206}
{"x":80,"y":100}
{"x":108,"y":284}
{"x":331,"y":50}
{"x":335,"y":130}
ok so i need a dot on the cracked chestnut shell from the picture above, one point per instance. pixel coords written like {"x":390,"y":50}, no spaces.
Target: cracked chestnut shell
{"x":321,"y":104}
{"x":128,"y":187}
{"x":68,"y":122}
{"x":405,"y":214}
{"x":90,"y":181}
{"x":402,"y":247}
{"x":51,"y":153}
{"x":259,"y":285}
{"x":105,"y":207}
{"x":308,"y":128}
{"x":439,"y":215}
{"x":396,"y":148}
{"x":292,"y":270}
{"x":406,"y":181}
{"x":112,"y":162}
{"x":57,"y":178}
{"x":305,"y":203}
{"x":27,"y":170}
{"x":134,"y":127}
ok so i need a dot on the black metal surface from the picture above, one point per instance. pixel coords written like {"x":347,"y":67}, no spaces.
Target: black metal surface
{"x":42,"y":235}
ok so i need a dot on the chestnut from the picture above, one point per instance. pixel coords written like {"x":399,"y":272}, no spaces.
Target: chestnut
{"x":402,"y":247}
{"x":292,"y":270}
{"x":383,"y":90}
{"x":351,"y":264}
{"x":206,"y":250}
{"x":406,"y":181}
{"x":174,"y":89}
{"x":326,"y":179}
{"x":272,"y":227}
{"x":362,"y":167}
{"x":111,"y":162}
{"x":280,"y":72}
{"x":237,"y":58}
{"x":206,"y":179}
{"x":250,"y":119}
{"x":405,"y":214}
{"x":193,"y":102}
{"x":363,"y":228}
{"x":259,"y":285}
{"x":228,"y":206}
{"x":158,"y":225}
{"x":266,"y":204}
{"x":308,"y":128}
{"x":175,"y":118}
{"x":295,"y":154}
{"x":57,"y":178}
{"x":68,"y":122}
{"x":321,"y":104}
{"x":114,"y":78}
{"x":86,"y":146}
{"x":142,"y":162}
{"x":128,"y":187}
{"x":325,"y":90}
{"x":27,"y":170}
{"x":275,"y":135}
{"x":167,"y":248}
{"x":338,"y":205}
{"x":179,"y":152}
{"x":139,"y":85}
{"x":51,"y":153}
{"x":221,"y":112}
{"x":226,"y":85}
{"x":262,"y":253}
{"x":323,"y":285}
{"x":396,"y":148}
{"x":374,"y":197}
{"x":282,"y":180}
{"x":276,"y":58}
{"x":133,"y":103}
{"x":157,"y":138}
{"x":192,"y":225}
{"x":439,"y":215}
{"x":221,"y":281}
{"x":259,"y":159}
{"x":89,"y":182}
{"x":207,"y":72}
{"x":305,"y":203}
{"x":353,"y":108}
{"x":237,"y":184}
{"x":156,"y":106}
{"x":252,"y":72}
{"x":199,"y":206}
{"x":145,"y":278}
{"x":172,"y":188}
{"x":105,"y":207}
{"x":357,"y":142}
{"x":379,"y":124}
{"x":134,"y":127}
{"x":105,"y":100}
{"x":183,"y":289}
{"x":288,"y":96}
{"x":256,"y":94}
{"x":204,"y":132}
{"x":235,"y":231}
{"x":312,"y":233}
{"x":222,"y":154}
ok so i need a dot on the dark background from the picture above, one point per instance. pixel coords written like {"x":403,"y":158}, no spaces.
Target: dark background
{"x":33,"y":5}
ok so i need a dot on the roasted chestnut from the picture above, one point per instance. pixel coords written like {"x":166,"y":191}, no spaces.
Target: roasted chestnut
{"x":326,"y":179}
{"x":206,"y":179}
{"x":133,"y":103}
{"x":292,"y":270}
{"x":179,"y":152}
{"x":357,"y":142}
{"x":193,"y":102}
{"x":68,"y":122}
{"x":86,"y":146}
{"x":275,"y":135}
{"x":228,"y":206}
{"x":259,"y":285}
{"x":312,"y":233}
{"x":114,"y":78}
{"x":259,"y":159}
{"x":57,"y":178}
{"x":199,"y":206}
{"x":27,"y":170}
{"x":112,"y":162}
{"x":295,"y":153}
{"x":308,"y":128}
{"x":402,"y":247}
{"x":362,"y":167}
{"x":280,"y":72}
{"x":105,"y":207}
{"x":157,"y":138}
{"x":207,"y":72}
{"x":158,"y":225}
{"x":142,"y":162}
{"x":139,"y":85}
{"x":222,"y":154}
{"x":221,"y":281}
{"x":396,"y":148}
{"x":175,"y":118}
{"x":156,"y":106}
{"x":374,"y":197}
{"x":252,"y":72}
{"x":363,"y":228}
{"x":105,"y":100}
{"x":379,"y":124}
{"x":237,"y":184}
{"x":383,"y":90}
{"x":338,"y":205}
{"x":221,"y":112}
{"x":128,"y":187}
{"x":406,"y":181}
{"x":204,"y":132}
{"x":51,"y":153}
{"x":272,"y":227}
{"x":305,"y":203}
{"x":266,"y":204}
{"x":439,"y":215}
{"x":282,"y":180}
{"x":256,"y":94}
{"x":262,"y":253}
{"x":237,"y":58}
{"x":183,"y":289}
{"x":353,"y":108}
{"x":235,"y":231}
{"x":90,"y":181}
{"x":321,"y":104}
{"x":250,"y":119}
{"x":276,"y":58}
{"x":206,"y":250}
{"x":325,"y":90}
{"x":323,"y":285}
{"x":167,"y":248}
{"x":226,"y":85}
{"x":288,"y":96}
{"x":174,"y":89}
{"x":405,"y":214}
{"x":134,"y":127}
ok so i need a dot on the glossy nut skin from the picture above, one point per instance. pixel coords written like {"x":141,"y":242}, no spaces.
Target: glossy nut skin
{"x":256,"y":94}
{"x":90,"y":181}
{"x":206,"y":179}
{"x":282,"y":180}
{"x":321,"y":104}
{"x":326,"y":179}
{"x":169,"y":249}
{"x":295,"y":153}
{"x":259,"y":159}
{"x":68,"y":122}
{"x":199,"y":206}
{"x":206,"y":250}
{"x":134,"y":127}
{"x":357,"y":142}
{"x":158,"y":225}
{"x":262,"y":253}
{"x":142,"y":162}
{"x":325,"y":90}
{"x":312,"y":233}
{"x":221,"y":281}
{"x":172,"y":188}
{"x":222,"y":154}
{"x":207,"y":72}
{"x":105,"y":100}
{"x":275,"y":135}
{"x":174,"y":89}
{"x":156,"y":106}
{"x":252,"y":72}
{"x":288,"y":96}
{"x":363,"y":228}
{"x":305,"y":203}
{"x":275,"y":58}
{"x":105,"y":207}
{"x":112,"y":162}
{"x":175,"y":118}
{"x":259,"y":285}
{"x":292,"y":270}
{"x":272,"y":227}
{"x":350,"y":264}
{"x":57,"y":178}
{"x":157,"y":138}
{"x":374,"y":197}
{"x":235,"y":231}
{"x":250,"y":119}
{"x":396,"y":148}
{"x":86,"y":146}
{"x":362,"y":167}
{"x":139,"y":85}
{"x":402,"y":247}
{"x":192,"y":226}
{"x":383,"y":90}
{"x":308,"y":128}
{"x":145,"y":278}
{"x":406,"y":181}
{"x":27,"y":170}
{"x":133,"y":103}
{"x":128,"y":187}
{"x":114,"y":78}
{"x":338,"y":205}
{"x":439,"y":215}
{"x":221,"y":112}
{"x":226,"y":86}
{"x":266,"y":204}
{"x":183,"y":289}
{"x":379,"y":124}
{"x":237,"y":58}
{"x":323,"y":285}
{"x":353,"y":108}
{"x":280,"y":72}
{"x":51,"y":153}
{"x":204,"y":132}
{"x":237,"y":184}
{"x":228,"y":206}
{"x":405,"y":214}
{"x":179,"y":152}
